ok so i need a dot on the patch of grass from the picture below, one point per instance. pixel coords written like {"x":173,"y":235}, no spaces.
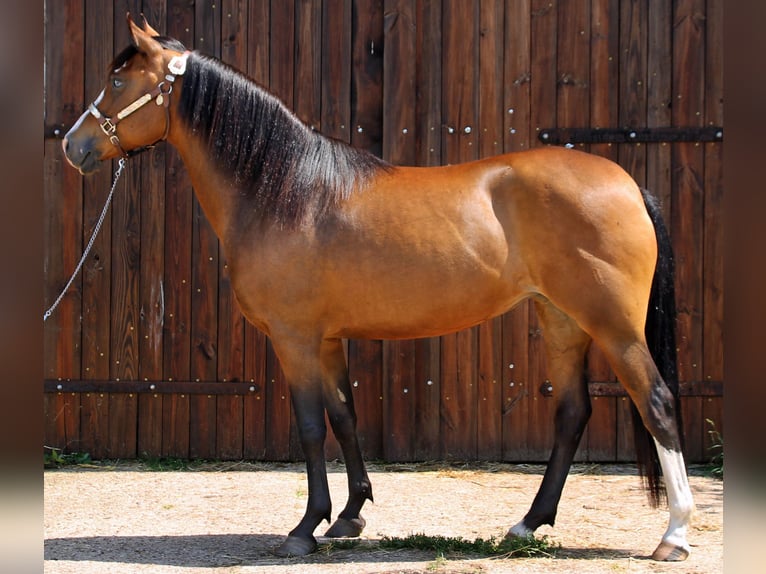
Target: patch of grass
{"x":527,"y":547}
{"x":54,"y":458}
{"x":716,"y":450}
{"x":166,"y":463}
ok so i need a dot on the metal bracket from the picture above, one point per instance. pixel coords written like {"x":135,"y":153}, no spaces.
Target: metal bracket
{"x":561,"y":136}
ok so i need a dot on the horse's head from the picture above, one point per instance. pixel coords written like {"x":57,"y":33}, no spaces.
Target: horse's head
{"x":132,"y":111}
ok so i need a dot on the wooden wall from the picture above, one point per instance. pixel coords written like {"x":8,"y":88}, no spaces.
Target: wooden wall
{"x":148,"y":354}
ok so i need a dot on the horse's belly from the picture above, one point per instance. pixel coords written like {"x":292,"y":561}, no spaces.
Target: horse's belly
{"x":417,"y":309}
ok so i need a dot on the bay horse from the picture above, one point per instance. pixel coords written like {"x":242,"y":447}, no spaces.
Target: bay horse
{"x":326,"y":242}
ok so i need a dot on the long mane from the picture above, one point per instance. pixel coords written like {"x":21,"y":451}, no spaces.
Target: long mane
{"x":285,"y":171}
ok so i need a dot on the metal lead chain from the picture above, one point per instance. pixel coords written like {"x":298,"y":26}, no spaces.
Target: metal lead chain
{"x":49,"y":312}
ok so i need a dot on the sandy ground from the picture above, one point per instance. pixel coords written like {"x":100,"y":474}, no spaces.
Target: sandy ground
{"x":226,"y":518}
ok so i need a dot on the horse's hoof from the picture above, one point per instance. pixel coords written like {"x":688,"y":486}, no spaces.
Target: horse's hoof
{"x":344,"y":528}
{"x":294,"y":546}
{"x":519,"y":531}
{"x":667,"y":552}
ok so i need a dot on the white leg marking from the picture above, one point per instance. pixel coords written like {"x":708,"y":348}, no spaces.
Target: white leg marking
{"x":680,"y":502}
{"x":520,"y":530}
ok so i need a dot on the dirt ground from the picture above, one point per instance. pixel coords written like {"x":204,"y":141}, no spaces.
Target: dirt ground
{"x":226,"y":518}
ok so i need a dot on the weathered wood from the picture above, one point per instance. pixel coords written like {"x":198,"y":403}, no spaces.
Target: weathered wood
{"x":365,"y":358}
{"x":688,"y":203}
{"x":460,"y":106}
{"x":490,"y":130}
{"x":713,"y":243}
{"x":543,"y":110}
{"x":428,"y":149}
{"x":177,"y":325}
{"x":516,"y":127}
{"x":152,"y":305}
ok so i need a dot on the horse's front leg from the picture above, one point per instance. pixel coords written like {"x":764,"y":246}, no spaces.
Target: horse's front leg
{"x":339,"y":402}
{"x":308,"y":406}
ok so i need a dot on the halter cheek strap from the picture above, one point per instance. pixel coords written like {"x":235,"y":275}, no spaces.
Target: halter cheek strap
{"x":161,"y":96}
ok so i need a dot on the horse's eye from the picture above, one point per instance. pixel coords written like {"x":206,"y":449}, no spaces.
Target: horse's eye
{"x":117,"y":83}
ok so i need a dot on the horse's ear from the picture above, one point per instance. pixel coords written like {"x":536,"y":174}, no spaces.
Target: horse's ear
{"x":141,"y":39}
{"x":147,"y":28}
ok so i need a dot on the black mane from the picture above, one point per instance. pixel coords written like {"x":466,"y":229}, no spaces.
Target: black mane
{"x":285,"y":171}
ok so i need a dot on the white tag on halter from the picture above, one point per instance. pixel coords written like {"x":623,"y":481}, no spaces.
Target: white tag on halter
{"x":177,"y":64}
{"x":159,"y":99}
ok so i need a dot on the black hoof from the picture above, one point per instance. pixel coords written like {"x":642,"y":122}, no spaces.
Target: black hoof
{"x":294,"y":546}
{"x":344,"y":528}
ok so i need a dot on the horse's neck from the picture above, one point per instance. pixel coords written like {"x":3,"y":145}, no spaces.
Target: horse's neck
{"x":217,"y":199}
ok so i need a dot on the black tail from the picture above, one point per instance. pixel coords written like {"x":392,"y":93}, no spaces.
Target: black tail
{"x":661,"y":339}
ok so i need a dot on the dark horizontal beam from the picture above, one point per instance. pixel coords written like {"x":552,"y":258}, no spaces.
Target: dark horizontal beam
{"x":151,"y":387}
{"x":561,"y":136}
{"x":596,"y":389}
{"x":690,"y":389}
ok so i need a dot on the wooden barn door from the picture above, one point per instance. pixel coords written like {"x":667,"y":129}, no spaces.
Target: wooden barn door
{"x":148,"y":353}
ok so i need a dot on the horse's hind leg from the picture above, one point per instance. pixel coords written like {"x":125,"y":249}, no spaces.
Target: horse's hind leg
{"x":339,"y":402}
{"x":566,"y":346}
{"x":638,"y":373}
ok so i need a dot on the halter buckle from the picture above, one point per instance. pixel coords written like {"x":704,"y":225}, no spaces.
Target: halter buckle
{"x":108,"y":127}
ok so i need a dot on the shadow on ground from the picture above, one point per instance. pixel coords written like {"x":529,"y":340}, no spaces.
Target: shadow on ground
{"x":220,"y":550}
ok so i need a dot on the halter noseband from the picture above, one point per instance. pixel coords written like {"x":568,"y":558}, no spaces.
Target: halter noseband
{"x":161,"y":96}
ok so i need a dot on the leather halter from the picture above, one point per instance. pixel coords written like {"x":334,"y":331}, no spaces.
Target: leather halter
{"x":161,"y":96}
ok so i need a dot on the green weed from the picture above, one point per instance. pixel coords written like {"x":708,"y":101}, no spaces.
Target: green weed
{"x":716,"y":450}
{"x":54,"y":458}
{"x":443,"y":545}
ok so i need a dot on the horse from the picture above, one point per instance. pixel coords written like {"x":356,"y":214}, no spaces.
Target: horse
{"x":326,"y":242}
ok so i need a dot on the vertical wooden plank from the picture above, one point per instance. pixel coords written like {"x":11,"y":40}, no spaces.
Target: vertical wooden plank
{"x":574,"y":90}
{"x":428,"y":146}
{"x":254,"y":431}
{"x":307,"y":101}
{"x":178,"y":268}
{"x":659,"y":98}
{"x":125,"y":310}
{"x":231,"y":325}
{"x":460,"y":105}
{"x":428,"y":49}
{"x":516,"y":124}
{"x":365,"y":358}
{"x":399,"y":78}
{"x":658,"y":113}
{"x":151,"y":282}
{"x":398,"y":147}
{"x":63,"y":226}
{"x":367,"y":76}
{"x":151,"y":295}
{"x":398,"y":399}
{"x":543,"y":113}
{"x":278,"y":411}
{"x":602,"y":434}
{"x":491,"y":139}
{"x":336,"y":93}
{"x":713,"y":201}
{"x":604,"y":99}
{"x":365,"y":365}
{"x":632,"y":112}
{"x":336,"y":69}
{"x":281,"y":84}
{"x":688,"y":205}
{"x":205,"y":264}
{"x":96,"y":272}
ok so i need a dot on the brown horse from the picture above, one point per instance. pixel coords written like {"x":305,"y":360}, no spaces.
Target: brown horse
{"x":326,"y":242}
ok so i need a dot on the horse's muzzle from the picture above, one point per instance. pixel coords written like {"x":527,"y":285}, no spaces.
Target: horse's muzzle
{"x":81,"y":155}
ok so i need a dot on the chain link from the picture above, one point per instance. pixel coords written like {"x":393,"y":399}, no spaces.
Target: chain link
{"x":49,"y":312}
